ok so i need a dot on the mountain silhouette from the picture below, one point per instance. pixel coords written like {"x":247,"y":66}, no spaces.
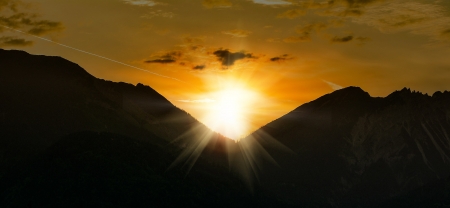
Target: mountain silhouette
{"x":351,"y":149}
{"x":49,"y":97}
{"x":70,"y":139}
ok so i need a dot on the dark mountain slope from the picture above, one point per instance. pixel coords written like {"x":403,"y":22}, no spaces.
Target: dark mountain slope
{"x":70,"y":139}
{"x":352,"y":149}
{"x":44,"y":98}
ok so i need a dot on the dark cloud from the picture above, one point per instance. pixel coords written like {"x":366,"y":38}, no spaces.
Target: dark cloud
{"x":15,"y":16}
{"x":161,"y":61}
{"x":358,"y":3}
{"x":199,"y":67}
{"x":13,"y":41}
{"x":293,"y":13}
{"x":338,"y":7}
{"x":281,"y":58}
{"x":167,"y":58}
{"x":228,"y":58}
{"x":342,"y":39}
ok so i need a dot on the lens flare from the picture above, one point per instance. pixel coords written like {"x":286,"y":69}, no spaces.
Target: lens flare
{"x":227,"y":115}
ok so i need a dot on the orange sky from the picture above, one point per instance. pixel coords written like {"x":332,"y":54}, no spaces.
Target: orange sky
{"x":286,"y":52}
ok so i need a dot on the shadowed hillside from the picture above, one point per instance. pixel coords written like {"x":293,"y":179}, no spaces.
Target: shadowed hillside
{"x":352,"y":149}
{"x":70,"y":139}
{"x":44,"y":98}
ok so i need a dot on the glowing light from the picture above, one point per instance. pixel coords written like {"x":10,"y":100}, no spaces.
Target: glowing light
{"x":227,"y":115}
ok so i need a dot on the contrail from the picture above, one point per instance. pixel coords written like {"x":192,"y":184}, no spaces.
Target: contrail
{"x":92,"y":54}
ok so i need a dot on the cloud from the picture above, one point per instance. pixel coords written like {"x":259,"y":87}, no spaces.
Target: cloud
{"x":199,"y":67}
{"x":228,"y":58}
{"x":272,"y":2}
{"x":167,"y":58}
{"x":333,"y":85}
{"x":161,"y":61}
{"x":193,"y":55}
{"x":140,"y":2}
{"x":342,"y":39}
{"x":44,"y":27}
{"x":14,"y":15}
{"x":297,"y":39}
{"x":305,"y":32}
{"x":190,"y":54}
{"x":417,"y":18}
{"x":335,"y":7}
{"x":13,"y":41}
{"x":349,"y":38}
{"x":237,"y":33}
{"x":205,"y":100}
{"x":358,"y":3}
{"x":293,"y":13}
{"x":9,"y":4}
{"x":281,"y":58}
{"x":217,"y":3}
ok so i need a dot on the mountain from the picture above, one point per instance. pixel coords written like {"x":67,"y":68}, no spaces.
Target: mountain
{"x":70,"y":139}
{"x":351,"y":149}
{"x":49,"y":97}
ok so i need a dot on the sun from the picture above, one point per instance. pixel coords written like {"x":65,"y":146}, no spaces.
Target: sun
{"x":228,"y":114}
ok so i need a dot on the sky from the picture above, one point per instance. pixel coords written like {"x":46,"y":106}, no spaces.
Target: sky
{"x":269,"y":56}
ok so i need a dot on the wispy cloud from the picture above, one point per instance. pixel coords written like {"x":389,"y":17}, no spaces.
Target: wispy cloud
{"x":281,"y":58}
{"x":14,"y":15}
{"x":418,"y":18}
{"x":342,"y":39}
{"x":292,"y":13}
{"x":305,"y":32}
{"x":167,"y":58}
{"x":237,"y":33}
{"x":140,"y":2}
{"x":13,"y":41}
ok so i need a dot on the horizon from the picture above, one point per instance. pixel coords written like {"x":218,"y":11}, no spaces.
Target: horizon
{"x":262,"y":58}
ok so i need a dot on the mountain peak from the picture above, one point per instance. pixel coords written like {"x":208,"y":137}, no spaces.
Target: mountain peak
{"x":406,"y":94}
{"x":354,"y":90}
{"x":39,"y":66}
{"x":344,"y":96}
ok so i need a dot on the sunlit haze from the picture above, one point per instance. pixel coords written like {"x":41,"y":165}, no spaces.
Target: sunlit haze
{"x":229,"y":111}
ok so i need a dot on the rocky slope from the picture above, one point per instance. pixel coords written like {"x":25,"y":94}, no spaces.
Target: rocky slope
{"x":351,"y":149}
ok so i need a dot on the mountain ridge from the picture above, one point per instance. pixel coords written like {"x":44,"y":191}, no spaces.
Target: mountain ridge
{"x":344,"y":149}
{"x":348,"y":137}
